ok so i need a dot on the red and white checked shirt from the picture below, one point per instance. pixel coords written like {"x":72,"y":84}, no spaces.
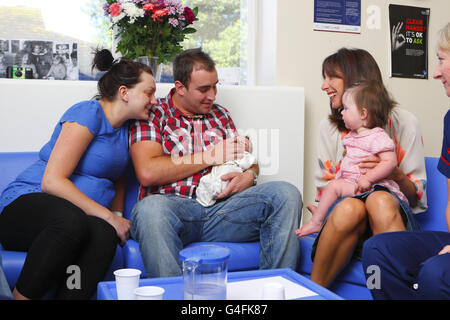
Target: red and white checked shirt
{"x":181,"y":135}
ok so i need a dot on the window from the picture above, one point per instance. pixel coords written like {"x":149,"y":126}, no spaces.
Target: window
{"x":222,"y":32}
{"x":36,"y":32}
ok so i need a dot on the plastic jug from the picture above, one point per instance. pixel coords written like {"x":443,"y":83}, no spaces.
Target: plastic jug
{"x":205,"y":270}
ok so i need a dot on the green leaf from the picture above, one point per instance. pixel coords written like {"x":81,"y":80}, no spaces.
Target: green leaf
{"x":189,"y":30}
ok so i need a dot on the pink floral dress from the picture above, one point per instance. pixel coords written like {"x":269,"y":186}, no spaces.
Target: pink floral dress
{"x":403,"y":128}
{"x":360,"y":146}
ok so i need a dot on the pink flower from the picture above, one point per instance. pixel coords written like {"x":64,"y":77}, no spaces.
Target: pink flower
{"x":114,"y":9}
{"x":148,"y":7}
{"x":189,"y":14}
{"x":158,"y":14}
{"x":174,"y":22}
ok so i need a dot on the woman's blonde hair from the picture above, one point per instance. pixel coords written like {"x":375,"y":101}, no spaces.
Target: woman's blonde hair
{"x":444,"y":38}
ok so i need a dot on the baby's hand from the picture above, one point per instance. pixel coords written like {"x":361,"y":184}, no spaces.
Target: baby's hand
{"x":363,"y":185}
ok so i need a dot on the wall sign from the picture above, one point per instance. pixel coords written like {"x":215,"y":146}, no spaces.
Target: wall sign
{"x":337,"y":15}
{"x":409,"y":41}
{"x":38,"y":59}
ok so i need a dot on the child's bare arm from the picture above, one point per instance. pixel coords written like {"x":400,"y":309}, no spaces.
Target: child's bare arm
{"x":384,"y":168}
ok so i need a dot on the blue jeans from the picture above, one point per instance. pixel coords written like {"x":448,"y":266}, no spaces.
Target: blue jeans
{"x":269,"y":213}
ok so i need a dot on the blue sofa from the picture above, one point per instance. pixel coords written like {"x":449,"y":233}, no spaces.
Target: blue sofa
{"x":350,"y":284}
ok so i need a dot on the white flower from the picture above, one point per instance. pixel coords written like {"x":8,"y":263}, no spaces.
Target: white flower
{"x":116,"y":19}
{"x":132,"y":11}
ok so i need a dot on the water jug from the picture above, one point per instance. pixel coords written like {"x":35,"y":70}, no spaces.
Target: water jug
{"x":205,"y":272}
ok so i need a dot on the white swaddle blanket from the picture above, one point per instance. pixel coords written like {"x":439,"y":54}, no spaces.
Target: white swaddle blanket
{"x":212,"y":184}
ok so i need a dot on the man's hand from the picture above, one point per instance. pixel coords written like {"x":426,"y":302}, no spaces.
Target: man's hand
{"x":229,"y":149}
{"x":237,"y":182}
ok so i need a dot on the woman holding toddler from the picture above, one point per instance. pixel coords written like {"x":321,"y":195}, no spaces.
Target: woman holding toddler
{"x":354,"y":218}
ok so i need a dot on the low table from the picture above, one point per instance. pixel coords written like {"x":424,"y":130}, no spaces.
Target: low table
{"x":297,"y":286}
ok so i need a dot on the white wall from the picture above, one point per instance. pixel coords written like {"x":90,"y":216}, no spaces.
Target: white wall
{"x":273,"y":118}
{"x":299,"y":56}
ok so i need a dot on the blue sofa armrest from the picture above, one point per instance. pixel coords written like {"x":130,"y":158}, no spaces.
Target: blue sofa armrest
{"x":12,"y":265}
{"x":132,"y":257}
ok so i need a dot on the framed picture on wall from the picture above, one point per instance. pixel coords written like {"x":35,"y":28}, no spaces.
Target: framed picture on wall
{"x":337,"y":15}
{"x":38,"y":59}
{"x":409,"y":41}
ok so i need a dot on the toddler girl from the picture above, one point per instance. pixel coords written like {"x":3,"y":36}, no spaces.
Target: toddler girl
{"x":365,"y":112}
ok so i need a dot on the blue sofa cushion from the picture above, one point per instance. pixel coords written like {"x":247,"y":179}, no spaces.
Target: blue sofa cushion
{"x":243,"y":256}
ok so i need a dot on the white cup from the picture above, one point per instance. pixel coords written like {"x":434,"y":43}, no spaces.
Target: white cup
{"x":149,"y":293}
{"x":273,"y":291}
{"x":126,"y":281}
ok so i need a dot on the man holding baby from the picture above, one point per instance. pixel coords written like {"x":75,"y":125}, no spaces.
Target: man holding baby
{"x":184,"y":138}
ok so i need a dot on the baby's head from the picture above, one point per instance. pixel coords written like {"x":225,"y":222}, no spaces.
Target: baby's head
{"x":366,"y":104}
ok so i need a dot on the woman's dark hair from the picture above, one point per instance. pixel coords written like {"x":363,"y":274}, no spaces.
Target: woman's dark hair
{"x":124,"y":72}
{"x":352,"y":66}
{"x":372,"y":96}
{"x":184,"y":63}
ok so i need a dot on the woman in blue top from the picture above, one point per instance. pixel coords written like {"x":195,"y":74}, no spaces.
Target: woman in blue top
{"x":60,"y":209}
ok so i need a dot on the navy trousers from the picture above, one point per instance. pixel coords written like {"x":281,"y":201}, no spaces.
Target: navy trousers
{"x":409,"y":264}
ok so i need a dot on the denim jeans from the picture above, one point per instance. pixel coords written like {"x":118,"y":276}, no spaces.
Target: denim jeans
{"x":269,"y":213}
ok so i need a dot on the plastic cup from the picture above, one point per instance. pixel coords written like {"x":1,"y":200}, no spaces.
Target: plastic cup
{"x":126,"y":281}
{"x":149,"y":293}
{"x":273,"y":291}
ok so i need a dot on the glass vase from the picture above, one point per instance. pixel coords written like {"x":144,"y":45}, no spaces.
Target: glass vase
{"x":153,"y":64}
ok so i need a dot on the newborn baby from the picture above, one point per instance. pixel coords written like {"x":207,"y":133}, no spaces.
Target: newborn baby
{"x":212,"y":184}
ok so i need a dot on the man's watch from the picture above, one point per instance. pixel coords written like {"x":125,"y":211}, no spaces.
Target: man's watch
{"x":255,"y":176}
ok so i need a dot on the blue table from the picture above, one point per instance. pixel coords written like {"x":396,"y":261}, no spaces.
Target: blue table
{"x":174,"y":285}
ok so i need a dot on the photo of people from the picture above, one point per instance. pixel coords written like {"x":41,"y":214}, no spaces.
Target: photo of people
{"x":4,"y":45}
{"x":38,"y":59}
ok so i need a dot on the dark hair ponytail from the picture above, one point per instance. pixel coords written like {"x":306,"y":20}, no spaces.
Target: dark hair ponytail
{"x":124,"y":72}
{"x":103,"y":60}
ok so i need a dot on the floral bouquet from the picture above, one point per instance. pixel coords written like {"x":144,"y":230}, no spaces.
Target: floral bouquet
{"x":152,"y":28}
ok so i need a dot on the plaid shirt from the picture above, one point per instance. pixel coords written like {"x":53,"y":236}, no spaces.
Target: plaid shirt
{"x":181,"y":135}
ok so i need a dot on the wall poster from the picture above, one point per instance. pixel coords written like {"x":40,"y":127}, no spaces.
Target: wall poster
{"x":38,"y":59}
{"x":409,"y":41}
{"x":337,"y":15}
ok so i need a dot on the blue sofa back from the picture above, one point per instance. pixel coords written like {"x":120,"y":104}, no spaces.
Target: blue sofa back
{"x":13,"y":163}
